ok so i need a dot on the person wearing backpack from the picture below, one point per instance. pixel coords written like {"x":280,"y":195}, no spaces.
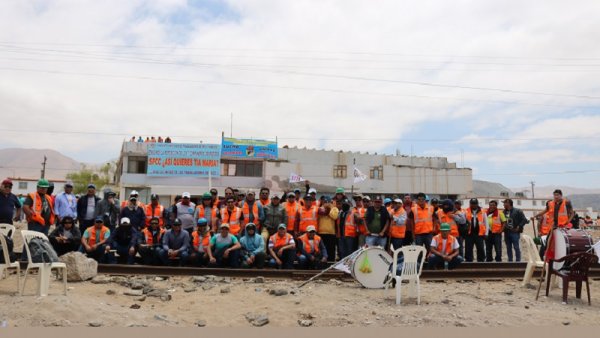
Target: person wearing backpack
{"x":66,"y":237}
{"x":94,"y":242}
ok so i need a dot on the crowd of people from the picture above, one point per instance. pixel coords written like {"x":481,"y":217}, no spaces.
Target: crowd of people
{"x":152,"y":139}
{"x":240,"y":229}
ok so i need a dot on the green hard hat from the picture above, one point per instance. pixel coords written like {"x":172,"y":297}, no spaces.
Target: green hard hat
{"x":206,"y":196}
{"x":43,"y":183}
{"x":445,"y":227}
{"x":339,"y":190}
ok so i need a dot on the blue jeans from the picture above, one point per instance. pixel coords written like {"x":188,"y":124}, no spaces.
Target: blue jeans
{"x":397,"y":243}
{"x":424,"y":239}
{"x":512,"y":241}
{"x":123,"y":251}
{"x":233,"y":258}
{"x":437,"y":261}
{"x":100,"y":254}
{"x":287,"y":259}
{"x":375,"y":241}
{"x":348,"y":245}
{"x":306,"y":263}
{"x":183,"y":257}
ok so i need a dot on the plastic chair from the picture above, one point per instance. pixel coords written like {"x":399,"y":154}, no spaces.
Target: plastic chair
{"x":411,"y":270}
{"x":7,"y":229}
{"x":534,"y":261}
{"x":4,"y":267}
{"x":43,"y":268}
{"x":575,"y":269}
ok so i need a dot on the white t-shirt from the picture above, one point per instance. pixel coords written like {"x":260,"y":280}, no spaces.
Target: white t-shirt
{"x":434,"y":244}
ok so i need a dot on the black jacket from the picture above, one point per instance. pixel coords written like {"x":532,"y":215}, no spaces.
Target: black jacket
{"x":385,"y":216}
{"x":518,"y":218}
{"x":124,"y":236}
{"x":82,"y":205}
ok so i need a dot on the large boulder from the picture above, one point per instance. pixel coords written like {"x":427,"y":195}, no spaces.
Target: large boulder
{"x":79,"y":267}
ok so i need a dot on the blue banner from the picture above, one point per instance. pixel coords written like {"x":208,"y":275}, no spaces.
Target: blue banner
{"x":184,"y":159}
{"x":245,"y":148}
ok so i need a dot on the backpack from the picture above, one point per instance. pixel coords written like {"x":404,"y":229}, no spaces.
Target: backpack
{"x":11,"y":254}
{"x":42,"y":251}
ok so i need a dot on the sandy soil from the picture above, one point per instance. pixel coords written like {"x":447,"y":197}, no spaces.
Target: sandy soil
{"x":324,"y":304}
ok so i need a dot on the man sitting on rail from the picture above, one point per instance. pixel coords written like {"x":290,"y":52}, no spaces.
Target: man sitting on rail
{"x":444,"y":249}
{"x":282,"y":248}
{"x":253,"y":248}
{"x":224,"y":248}
{"x":175,"y":245}
{"x":94,"y":242}
{"x":313,"y":254}
{"x":200,"y":243}
{"x":125,"y":239}
{"x":151,"y":242}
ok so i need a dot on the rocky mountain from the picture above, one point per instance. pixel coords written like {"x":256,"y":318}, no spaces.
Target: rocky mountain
{"x":27,"y":163}
{"x":486,"y":188}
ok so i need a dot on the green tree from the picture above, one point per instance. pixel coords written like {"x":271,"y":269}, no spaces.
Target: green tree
{"x":85,"y":176}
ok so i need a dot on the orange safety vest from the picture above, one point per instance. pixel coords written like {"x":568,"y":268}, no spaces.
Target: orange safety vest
{"x":423,"y":219}
{"x":563,"y":216}
{"x":397,"y":230}
{"x":202,"y":214}
{"x":148,"y":235}
{"x":279,"y":242}
{"x":440,"y":241}
{"x":546,"y":225}
{"x":316,"y":242}
{"x":350,"y":228}
{"x":139,"y":204}
{"x":196,"y":240}
{"x":362,"y":228}
{"x":482,"y":227}
{"x":158,"y":213}
{"x":264,"y":203}
{"x":308,"y":217}
{"x":292,"y":211}
{"x":246,"y":213}
{"x":233,"y":219}
{"x":496,"y":224}
{"x":448,"y":218}
{"x":93,"y":232}
{"x":37,"y":209}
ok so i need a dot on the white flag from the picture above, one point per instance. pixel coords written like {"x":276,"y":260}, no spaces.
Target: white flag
{"x":295,"y":178}
{"x":359,"y":176}
{"x":346,"y":263}
{"x":597,"y":249}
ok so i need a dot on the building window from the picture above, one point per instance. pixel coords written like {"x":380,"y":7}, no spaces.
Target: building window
{"x":22,"y":185}
{"x":376,"y":173}
{"x":534,"y":202}
{"x":518,"y":202}
{"x":241,"y":168}
{"x":137,"y":164}
{"x":339,"y":171}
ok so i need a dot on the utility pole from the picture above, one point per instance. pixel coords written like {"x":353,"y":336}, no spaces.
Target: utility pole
{"x":44,"y":167}
{"x":352,"y":188}
{"x":532,"y":191}
{"x":231,"y":127}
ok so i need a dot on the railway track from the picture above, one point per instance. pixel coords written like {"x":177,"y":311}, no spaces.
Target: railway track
{"x":467,"y":271}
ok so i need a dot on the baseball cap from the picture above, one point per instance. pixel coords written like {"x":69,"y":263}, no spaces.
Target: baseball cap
{"x":327,"y":199}
{"x":397,"y":200}
{"x":377,"y":198}
{"x":387,"y":200}
{"x":312,"y":191}
{"x":366,"y":198}
{"x":99,"y":219}
{"x":177,"y":222}
{"x":134,"y":192}
{"x":251,"y":193}
{"x":154,"y":197}
{"x":69,"y":184}
{"x":214,"y":191}
{"x":125,"y":220}
{"x":275,"y":196}
{"x":357,"y":196}
{"x":7,"y":182}
{"x":224,"y":225}
{"x":186,"y":195}
{"x":297,"y":190}
{"x":202,"y":221}
{"x":310,"y":228}
{"x":291,"y":194}
{"x":435,"y":200}
{"x":251,"y":225}
{"x":474,"y":201}
{"x":91,"y":186}
{"x":282,"y":226}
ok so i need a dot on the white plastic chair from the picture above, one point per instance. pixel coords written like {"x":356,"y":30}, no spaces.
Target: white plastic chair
{"x":44,"y":269}
{"x":6,"y":229}
{"x":411,"y":270}
{"x":4,"y":267}
{"x":534,"y":261}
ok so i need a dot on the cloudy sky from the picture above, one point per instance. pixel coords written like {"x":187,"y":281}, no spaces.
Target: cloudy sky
{"x":507,"y":88}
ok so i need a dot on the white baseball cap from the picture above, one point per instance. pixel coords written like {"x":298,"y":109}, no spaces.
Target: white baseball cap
{"x":397,"y":200}
{"x":310,"y":228}
{"x":186,"y":194}
{"x":125,"y":220}
{"x":133,"y":192}
{"x":312,"y":190}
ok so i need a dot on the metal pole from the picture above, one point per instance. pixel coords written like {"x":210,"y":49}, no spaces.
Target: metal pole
{"x":44,"y":167}
{"x":352,"y":188}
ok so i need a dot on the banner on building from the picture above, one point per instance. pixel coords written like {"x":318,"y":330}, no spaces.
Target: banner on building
{"x":359,"y":176}
{"x":184,"y":159}
{"x":295,"y":178}
{"x":246,"y":148}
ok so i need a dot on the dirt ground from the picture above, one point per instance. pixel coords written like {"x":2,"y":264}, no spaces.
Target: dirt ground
{"x":226,"y":302}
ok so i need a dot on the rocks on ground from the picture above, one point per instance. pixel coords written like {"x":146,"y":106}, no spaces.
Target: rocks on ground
{"x":79,"y":267}
{"x":257,"y":319}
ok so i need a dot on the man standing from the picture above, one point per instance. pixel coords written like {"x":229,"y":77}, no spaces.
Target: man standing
{"x":200,"y":243}
{"x":185,"y":212}
{"x":175,"y":245}
{"x":408,"y":205}
{"x":252,"y":211}
{"x":328,"y":215}
{"x":39,"y":209}
{"x":208,"y":211}
{"x":377,"y":220}
{"x":134,"y":213}
{"x":231,"y":215}
{"x":347,"y":229}
{"x":65,"y":203}
{"x":282,"y":248}
{"x":424,"y":220}
{"x":360,"y":210}
{"x":275,"y":214}
{"x":559,"y":210}
{"x":478,"y":228}
{"x":94,"y":242}
{"x":155,"y":210}
{"x":65,"y":237}
{"x":264,"y":196}
{"x":308,"y":215}
{"x":292,"y":209}
{"x":515,"y":223}
{"x":86,"y":207}
{"x":151,"y":242}
{"x":108,"y":209}
{"x":397,"y":224}
{"x":444,"y":249}
{"x":9,"y":204}
{"x":313,"y":252}
{"x":497,"y":222}
{"x":253,"y":248}
{"x":125,"y":240}
{"x":224,"y":248}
